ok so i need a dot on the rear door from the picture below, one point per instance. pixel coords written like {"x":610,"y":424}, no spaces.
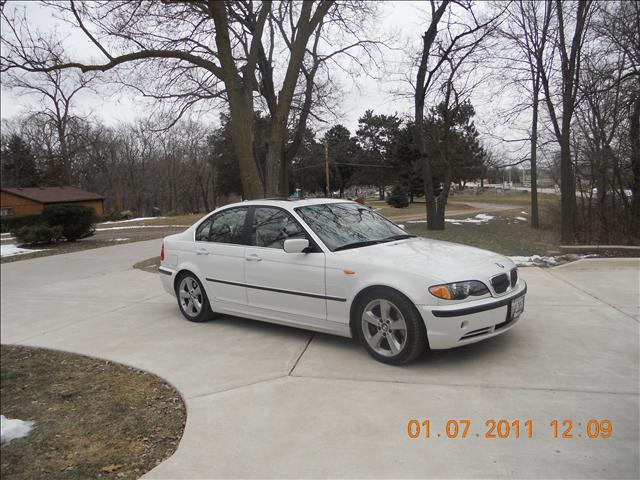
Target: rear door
{"x":220,"y":250}
{"x":290,"y":286}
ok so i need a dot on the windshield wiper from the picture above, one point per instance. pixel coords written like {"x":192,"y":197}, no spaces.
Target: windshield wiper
{"x":365,"y":243}
{"x":397,"y":237}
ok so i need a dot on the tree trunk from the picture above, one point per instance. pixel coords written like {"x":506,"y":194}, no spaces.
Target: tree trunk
{"x":567,"y":191}
{"x":241,"y":124}
{"x":535,"y":217}
{"x":634,"y":137}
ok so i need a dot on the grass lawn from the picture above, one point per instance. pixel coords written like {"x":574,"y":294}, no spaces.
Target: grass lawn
{"x":93,"y":418}
{"x":504,"y":234}
{"x":519,"y":198}
{"x":417,"y":208}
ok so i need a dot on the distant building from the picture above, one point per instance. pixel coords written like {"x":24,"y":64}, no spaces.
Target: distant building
{"x":29,"y":201}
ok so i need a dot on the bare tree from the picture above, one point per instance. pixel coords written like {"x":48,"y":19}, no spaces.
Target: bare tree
{"x":569,"y":47}
{"x":57,"y":91}
{"x":443,"y":53}
{"x":618,"y":28}
{"x":175,"y":40}
{"x":523,"y":29}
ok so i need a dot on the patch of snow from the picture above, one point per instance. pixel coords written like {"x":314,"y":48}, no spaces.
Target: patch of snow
{"x":545,"y":261}
{"x":10,"y":429}
{"x":12,"y":249}
{"x":480,"y":218}
{"x":140,"y":226}
{"x":5,"y":234}
{"x":524,"y":213}
{"x":130,"y":220}
{"x":521,"y":218}
{"x":8,"y":238}
{"x":118,"y":239}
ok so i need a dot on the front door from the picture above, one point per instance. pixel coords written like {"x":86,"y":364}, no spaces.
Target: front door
{"x":289,"y":286}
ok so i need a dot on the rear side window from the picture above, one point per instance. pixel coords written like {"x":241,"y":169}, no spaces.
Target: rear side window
{"x":272,"y":226}
{"x":224,"y":227}
{"x":202,"y":233}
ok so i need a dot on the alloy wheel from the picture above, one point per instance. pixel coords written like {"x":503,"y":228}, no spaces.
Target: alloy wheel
{"x":191,"y":298}
{"x":384,"y":327}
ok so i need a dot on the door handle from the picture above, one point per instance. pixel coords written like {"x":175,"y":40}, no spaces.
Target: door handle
{"x":202,"y":251}
{"x":253,"y":258}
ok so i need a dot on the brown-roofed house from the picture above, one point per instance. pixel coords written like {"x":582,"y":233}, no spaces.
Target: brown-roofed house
{"x":27,"y":201}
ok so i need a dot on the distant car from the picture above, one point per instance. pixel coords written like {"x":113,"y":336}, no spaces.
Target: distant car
{"x":338,"y":267}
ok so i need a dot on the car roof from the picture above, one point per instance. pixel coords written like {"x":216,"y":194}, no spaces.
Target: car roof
{"x":287,"y":203}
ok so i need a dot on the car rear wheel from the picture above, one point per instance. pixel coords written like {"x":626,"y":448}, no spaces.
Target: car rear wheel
{"x":192,"y":299}
{"x":389,"y":327}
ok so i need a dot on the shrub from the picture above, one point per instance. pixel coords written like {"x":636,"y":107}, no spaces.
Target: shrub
{"x":398,"y":197}
{"x":11,"y":224}
{"x":39,"y":233}
{"x":76,"y":221}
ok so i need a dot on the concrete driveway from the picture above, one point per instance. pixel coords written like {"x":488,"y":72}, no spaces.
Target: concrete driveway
{"x":271,"y":401}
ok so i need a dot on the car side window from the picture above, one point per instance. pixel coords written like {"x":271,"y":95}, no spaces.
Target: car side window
{"x":224,"y":227}
{"x":272,"y":226}
{"x":202,"y":233}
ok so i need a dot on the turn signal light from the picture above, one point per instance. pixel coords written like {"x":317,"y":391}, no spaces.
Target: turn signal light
{"x":162,"y":252}
{"x":440,"y":291}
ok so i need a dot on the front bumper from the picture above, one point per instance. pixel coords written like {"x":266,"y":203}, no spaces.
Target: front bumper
{"x":470,"y":322}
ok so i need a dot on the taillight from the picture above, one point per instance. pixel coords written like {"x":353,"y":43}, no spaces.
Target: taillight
{"x":162,"y":252}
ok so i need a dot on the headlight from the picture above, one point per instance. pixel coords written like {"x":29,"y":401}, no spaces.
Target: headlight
{"x":459,"y":290}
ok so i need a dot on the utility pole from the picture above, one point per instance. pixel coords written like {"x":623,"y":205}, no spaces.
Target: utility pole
{"x":326,"y":167}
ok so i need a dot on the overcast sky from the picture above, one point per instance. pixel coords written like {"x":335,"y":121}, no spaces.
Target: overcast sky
{"x":405,"y":20}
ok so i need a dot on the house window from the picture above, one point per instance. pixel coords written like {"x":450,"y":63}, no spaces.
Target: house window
{"x":6,"y":211}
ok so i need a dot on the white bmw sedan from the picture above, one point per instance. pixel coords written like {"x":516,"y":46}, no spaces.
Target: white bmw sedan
{"x":338,"y":267}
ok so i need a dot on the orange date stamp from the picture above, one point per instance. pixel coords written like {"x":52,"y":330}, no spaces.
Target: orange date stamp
{"x":509,"y":429}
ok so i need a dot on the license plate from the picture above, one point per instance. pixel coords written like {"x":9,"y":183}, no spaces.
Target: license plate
{"x":517,"y":307}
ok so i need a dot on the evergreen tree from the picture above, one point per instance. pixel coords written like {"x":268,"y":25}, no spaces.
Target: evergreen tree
{"x":18,"y":164}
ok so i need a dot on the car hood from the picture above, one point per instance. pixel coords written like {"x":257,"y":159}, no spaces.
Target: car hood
{"x":446,"y":261}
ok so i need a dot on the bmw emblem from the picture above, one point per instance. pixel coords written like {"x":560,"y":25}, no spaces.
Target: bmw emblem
{"x":500,"y":265}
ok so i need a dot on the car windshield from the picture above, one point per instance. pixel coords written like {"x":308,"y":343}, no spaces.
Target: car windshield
{"x":349,"y":225}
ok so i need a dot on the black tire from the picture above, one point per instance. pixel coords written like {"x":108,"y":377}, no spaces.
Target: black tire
{"x":187,"y":281}
{"x":408,"y":345}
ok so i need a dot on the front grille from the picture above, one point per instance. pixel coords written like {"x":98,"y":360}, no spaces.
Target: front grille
{"x":500,"y":283}
{"x":514,"y":277}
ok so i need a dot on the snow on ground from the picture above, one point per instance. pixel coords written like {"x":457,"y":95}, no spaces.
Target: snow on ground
{"x":5,"y":234}
{"x":10,"y":429}
{"x":12,"y":249}
{"x":524,"y":213}
{"x":130,"y":220}
{"x":521,"y":218}
{"x":479,"y":218}
{"x":140,"y":226}
{"x":544,"y":261}
{"x":118,"y":239}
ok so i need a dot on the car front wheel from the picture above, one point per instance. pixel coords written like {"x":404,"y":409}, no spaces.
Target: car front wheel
{"x":192,"y":299}
{"x":389,"y":327}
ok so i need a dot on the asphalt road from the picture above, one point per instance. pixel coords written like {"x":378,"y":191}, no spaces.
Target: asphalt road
{"x":271,"y":401}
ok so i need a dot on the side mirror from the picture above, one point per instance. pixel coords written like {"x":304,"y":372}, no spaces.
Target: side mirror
{"x":296,"y":245}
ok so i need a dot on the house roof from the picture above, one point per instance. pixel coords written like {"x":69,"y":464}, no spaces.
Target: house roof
{"x":46,"y":195}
